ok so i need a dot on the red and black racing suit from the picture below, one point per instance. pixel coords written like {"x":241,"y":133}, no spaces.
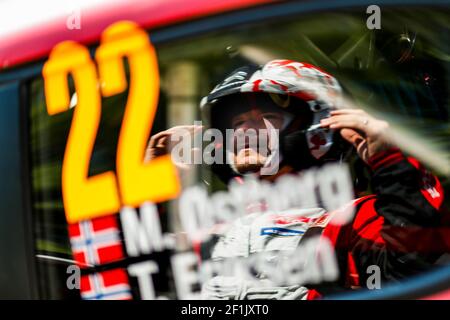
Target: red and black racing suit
{"x":402,"y":228}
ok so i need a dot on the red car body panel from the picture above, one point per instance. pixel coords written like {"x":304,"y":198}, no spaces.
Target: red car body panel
{"x":34,"y":43}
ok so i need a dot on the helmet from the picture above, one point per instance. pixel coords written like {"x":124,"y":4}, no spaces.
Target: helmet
{"x":299,"y":89}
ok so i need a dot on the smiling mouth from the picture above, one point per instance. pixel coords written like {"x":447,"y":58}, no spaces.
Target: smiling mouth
{"x":246,"y":151}
{"x":246,"y":147}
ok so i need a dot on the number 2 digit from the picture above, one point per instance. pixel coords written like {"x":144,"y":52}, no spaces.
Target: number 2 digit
{"x":88,"y":197}
{"x":83,"y":196}
{"x":133,"y":175}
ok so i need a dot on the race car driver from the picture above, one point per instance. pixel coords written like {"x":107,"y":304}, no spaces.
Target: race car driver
{"x":396,"y":228}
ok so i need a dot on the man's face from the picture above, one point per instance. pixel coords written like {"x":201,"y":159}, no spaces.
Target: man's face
{"x":248,"y":156}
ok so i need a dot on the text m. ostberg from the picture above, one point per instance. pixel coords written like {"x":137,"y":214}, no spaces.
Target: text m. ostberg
{"x":329,"y":187}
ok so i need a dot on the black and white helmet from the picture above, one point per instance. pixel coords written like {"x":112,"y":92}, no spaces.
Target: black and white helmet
{"x":300,"y":89}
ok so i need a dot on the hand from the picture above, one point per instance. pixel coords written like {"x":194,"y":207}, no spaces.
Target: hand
{"x":364,"y":132}
{"x":162,"y":144}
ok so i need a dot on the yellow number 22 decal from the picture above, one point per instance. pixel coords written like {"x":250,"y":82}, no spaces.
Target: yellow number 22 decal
{"x":88,"y":197}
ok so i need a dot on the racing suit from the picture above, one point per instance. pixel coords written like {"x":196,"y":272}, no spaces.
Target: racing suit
{"x":401,"y":228}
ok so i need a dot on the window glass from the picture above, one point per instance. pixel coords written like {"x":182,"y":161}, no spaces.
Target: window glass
{"x":398,"y":73}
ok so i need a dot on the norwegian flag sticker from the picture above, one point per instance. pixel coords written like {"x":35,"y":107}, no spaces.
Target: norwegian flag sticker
{"x":106,"y":285}
{"x":95,"y":242}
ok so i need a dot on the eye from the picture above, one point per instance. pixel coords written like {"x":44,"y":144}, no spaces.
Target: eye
{"x":237,"y":123}
{"x":271,"y":116}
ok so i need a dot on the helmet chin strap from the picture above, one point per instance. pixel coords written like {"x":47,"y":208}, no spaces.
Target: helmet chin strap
{"x":295,"y":150}
{"x":287,"y":120}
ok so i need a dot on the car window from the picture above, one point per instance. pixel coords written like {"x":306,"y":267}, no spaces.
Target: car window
{"x":399,"y":73}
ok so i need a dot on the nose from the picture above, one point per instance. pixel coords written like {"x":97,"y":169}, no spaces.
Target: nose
{"x":254,"y":120}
